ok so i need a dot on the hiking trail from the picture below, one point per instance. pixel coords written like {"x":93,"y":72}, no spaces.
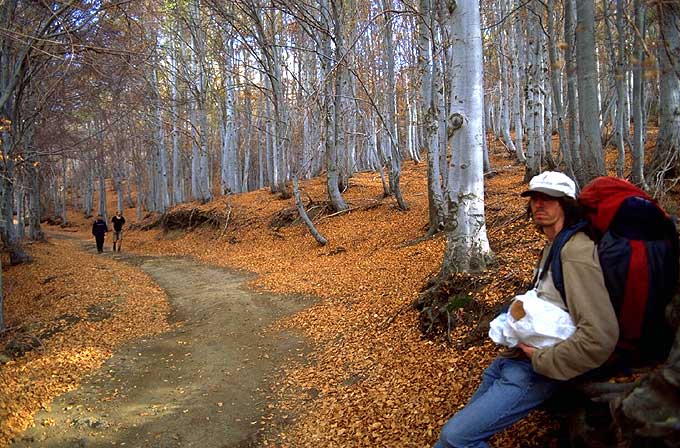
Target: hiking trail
{"x":203,"y":384}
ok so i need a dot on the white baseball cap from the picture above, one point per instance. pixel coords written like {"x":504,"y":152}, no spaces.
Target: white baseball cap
{"x":553,"y":184}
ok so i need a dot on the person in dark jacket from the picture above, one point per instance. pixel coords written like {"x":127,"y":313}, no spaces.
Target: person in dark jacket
{"x":99,"y":229}
{"x":118,"y":222}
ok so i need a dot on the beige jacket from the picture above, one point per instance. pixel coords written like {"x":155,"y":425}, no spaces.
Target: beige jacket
{"x":597,"y":329}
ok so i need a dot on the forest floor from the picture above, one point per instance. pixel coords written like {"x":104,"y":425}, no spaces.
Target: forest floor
{"x":202,"y":384}
{"x":370,"y":378}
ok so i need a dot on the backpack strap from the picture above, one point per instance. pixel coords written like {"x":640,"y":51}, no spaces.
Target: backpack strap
{"x":554,"y":262}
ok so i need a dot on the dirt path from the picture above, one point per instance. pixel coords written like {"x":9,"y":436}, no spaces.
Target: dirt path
{"x":202,"y":385}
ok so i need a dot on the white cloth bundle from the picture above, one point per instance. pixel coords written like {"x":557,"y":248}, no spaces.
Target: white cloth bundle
{"x":543,"y":325}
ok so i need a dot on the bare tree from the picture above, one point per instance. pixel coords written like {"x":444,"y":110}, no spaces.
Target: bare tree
{"x":467,"y":247}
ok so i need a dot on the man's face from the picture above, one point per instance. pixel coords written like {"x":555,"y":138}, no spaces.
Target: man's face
{"x":546,"y":211}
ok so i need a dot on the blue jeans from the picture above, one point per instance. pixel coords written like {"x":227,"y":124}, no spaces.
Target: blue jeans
{"x":510,"y":389}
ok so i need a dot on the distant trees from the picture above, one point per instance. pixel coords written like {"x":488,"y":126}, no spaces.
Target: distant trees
{"x":186,"y":100}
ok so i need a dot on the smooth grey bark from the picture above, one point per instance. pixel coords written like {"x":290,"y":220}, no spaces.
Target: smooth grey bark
{"x":340,"y":92}
{"x":535,"y":99}
{"x":229,"y":179}
{"x":588,"y":106}
{"x":101,"y":174}
{"x":303,"y":215}
{"x":440,"y":91}
{"x":619,"y":80}
{"x":64,"y":219}
{"x":515,"y":47}
{"x":429,"y":85}
{"x":161,"y":174}
{"x":666,"y":160}
{"x":505,"y":85}
{"x":265,"y":27}
{"x":88,"y":187}
{"x":20,"y":207}
{"x":128,"y":185}
{"x":248,"y":115}
{"x":467,"y":248}
{"x":412,"y":142}
{"x":442,"y":72}
{"x":555,"y":77}
{"x":139,"y":184}
{"x":175,"y":51}
{"x":11,"y":71}
{"x":395,"y":157}
{"x":332,"y":96}
{"x":376,"y":159}
{"x":35,"y":232}
{"x":572,"y":88}
{"x":262,"y":151}
{"x":119,"y":193}
{"x":200,"y":174}
{"x":307,"y":71}
{"x":638,"y":150}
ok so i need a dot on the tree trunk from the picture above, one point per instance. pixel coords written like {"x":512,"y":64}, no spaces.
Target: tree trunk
{"x":200,"y":170}
{"x":394,"y":152}
{"x":555,"y":76}
{"x":229,"y":179}
{"x":666,"y":159}
{"x":331,"y":104}
{"x":102,"y":183}
{"x":591,"y":143}
{"x":572,"y":89}
{"x":303,"y":215}
{"x":621,"y":74}
{"x":467,"y":248}
{"x":161,"y":173}
{"x":535,"y":100}
{"x":35,"y":233}
{"x":516,"y":48}
{"x":638,"y":152}
{"x":505,"y":87}
{"x":177,"y":190}
{"x":429,"y":86}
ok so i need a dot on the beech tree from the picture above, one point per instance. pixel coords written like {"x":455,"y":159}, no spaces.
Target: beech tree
{"x":467,"y":247}
{"x":667,"y":152}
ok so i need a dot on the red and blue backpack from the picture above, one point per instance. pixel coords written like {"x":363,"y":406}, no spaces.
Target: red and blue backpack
{"x":637,"y":243}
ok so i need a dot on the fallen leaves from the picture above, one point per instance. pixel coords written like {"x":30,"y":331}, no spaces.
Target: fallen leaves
{"x":371,"y":380}
{"x":81,"y":308}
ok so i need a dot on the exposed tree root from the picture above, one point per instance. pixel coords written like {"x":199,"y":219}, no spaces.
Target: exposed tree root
{"x":446,"y":303}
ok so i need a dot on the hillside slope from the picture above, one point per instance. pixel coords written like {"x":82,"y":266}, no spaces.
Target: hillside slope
{"x":372,"y":380}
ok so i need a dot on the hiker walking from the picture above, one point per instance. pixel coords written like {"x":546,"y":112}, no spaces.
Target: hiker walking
{"x":99,"y":229}
{"x":118,"y":220}
{"x":523,"y":377}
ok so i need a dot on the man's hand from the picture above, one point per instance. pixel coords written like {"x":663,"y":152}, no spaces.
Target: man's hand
{"x":527,"y":349}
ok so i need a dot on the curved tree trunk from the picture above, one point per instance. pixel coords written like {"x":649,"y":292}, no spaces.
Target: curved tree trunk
{"x":303,"y":215}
